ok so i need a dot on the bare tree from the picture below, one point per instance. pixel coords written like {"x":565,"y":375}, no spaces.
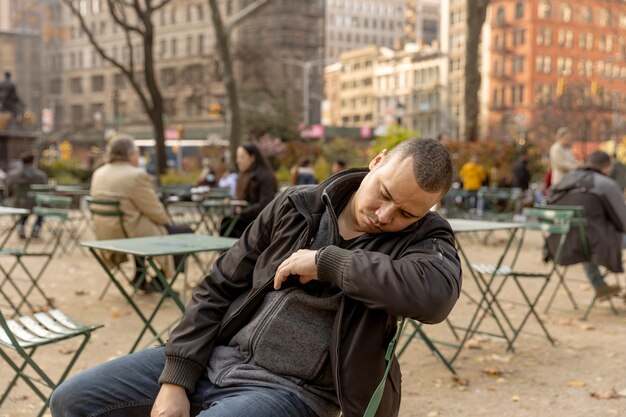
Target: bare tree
{"x":134,"y":17}
{"x":223,"y":29}
{"x":476,"y":14}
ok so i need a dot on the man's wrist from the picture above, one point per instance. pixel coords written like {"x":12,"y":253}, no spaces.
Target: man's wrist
{"x":317,"y":254}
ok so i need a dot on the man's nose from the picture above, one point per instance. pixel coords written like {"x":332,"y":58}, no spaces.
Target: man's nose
{"x":385,"y":214}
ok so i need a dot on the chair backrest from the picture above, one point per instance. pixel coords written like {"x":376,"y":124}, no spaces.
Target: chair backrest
{"x":106,"y":207}
{"x":549,"y":222}
{"x":578,"y":221}
{"x":52,"y":201}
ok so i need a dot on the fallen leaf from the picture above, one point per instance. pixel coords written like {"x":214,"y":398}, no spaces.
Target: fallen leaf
{"x":493,"y":370}
{"x":565,"y":322}
{"x":574,"y":383}
{"x":502,"y":359}
{"x":460,"y":381}
{"x":473,"y":344}
{"x":515,"y":398}
{"x":67,"y":351}
{"x":605,"y":395}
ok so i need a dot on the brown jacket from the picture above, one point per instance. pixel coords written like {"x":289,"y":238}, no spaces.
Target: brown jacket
{"x":414,"y":273}
{"x":144,"y":215}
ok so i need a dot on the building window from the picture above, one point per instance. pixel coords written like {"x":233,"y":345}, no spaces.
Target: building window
{"x":200,"y":44}
{"x":77,"y":113}
{"x":119,"y":81}
{"x":564,"y":65}
{"x":189,"y":46}
{"x":173,"y":16}
{"x":566,"y":13}
{"x":173,"y":47}
{"x":55,"y":86}
{"x":519,"y":10}
{"x":517,"y":64}
{"x":97,"y":83}
{"x":168,"y":77}
{"x":544,"y":9}
{"x":519,"y":37}
{"x":76,"y":85}
{"x":605,"y":17}
{"x":500,"y":16}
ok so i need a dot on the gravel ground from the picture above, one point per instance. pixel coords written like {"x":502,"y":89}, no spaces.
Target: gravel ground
{"x":581,"y":375}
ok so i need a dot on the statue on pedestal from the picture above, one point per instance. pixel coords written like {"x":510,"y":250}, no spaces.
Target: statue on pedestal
{"x":9,"y":100}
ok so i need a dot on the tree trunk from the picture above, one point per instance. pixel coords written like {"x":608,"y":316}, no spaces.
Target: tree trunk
{"x":228,"y":78}
{"x":156,"y":110}
{"x":476,"y":14}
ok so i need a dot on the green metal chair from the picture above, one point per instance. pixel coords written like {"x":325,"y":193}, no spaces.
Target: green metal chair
{"x":22,"y":336}
{"x":546,"y":222}
{"x":19,"y":282}
{"x":46,"y":200}
{"x":579,"y":222}
{"x":108,"y":207}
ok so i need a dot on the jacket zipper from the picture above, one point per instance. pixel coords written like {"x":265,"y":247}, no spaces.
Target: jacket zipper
{"x":337,"y":382}
{"x":260,"y":326}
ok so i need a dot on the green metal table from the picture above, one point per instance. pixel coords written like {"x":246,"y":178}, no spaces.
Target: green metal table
{"x":16,"y":214}
{"x":486,"y":305}
{"x":151,"y":247}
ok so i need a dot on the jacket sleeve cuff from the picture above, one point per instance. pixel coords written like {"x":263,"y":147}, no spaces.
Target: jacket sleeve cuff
{"x":331,"y":261}
{"x":180,"y":371}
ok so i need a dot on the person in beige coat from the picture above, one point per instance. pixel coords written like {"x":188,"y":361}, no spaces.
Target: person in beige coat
{"x":562,"y":158}
{"x":144,"y":215}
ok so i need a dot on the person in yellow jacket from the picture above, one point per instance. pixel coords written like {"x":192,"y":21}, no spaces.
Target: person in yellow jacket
{"x":473,"y":175}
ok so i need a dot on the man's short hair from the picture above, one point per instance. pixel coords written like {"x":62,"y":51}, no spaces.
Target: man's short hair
{"x":432,"y":164}
{"x":561,"y":132}
{"x":598,"y":160}
{"x":28,"y":158}
{"x":120,"y":148}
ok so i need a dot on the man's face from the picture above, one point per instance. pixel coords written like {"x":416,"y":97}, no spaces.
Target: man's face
{"x":389,"y":199}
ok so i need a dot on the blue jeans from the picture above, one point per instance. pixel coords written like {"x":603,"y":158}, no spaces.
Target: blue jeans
{"x":128,"y":386}
{"x":593,"y":272}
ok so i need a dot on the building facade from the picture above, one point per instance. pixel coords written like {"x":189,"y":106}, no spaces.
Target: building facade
{"x":352,"y":24}
{"x":379,"y":87}
{"x":557,"y":63}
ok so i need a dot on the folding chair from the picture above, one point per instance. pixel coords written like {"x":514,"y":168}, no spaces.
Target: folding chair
{"x":578,"y":222}
{"x":546,"y":222}
{"x":17,"y":290}
{"x":56,"y":202}
{"x":24,"y":335}
{"x":108,"y":207}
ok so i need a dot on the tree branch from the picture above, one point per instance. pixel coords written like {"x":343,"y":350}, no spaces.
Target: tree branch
{"x":236,"y":19}
{"x":126,"y":71}
{"x":121,"y":21}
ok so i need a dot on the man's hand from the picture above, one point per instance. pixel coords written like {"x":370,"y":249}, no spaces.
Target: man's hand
{"x":171,"y":401}
{"x":300,"y":263}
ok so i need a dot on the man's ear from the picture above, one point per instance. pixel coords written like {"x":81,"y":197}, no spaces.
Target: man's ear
{"x":378,"y":159}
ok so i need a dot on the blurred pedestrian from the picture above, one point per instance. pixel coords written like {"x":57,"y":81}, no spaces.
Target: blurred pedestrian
{"x":520,"y":174}
{"x":256,"y":184}
{"x":17,"y":186}
{"x":144,"y":215}
{"x":303,"y":174}
{"x":562,"y":159}
{"x":338,"y":166}
{"x":605,"y":214}
{"x":618,"y":172}
{"x":473,"y":175}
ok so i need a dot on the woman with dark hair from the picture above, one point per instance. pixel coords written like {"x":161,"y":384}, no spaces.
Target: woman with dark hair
{"x":256,"y":184}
